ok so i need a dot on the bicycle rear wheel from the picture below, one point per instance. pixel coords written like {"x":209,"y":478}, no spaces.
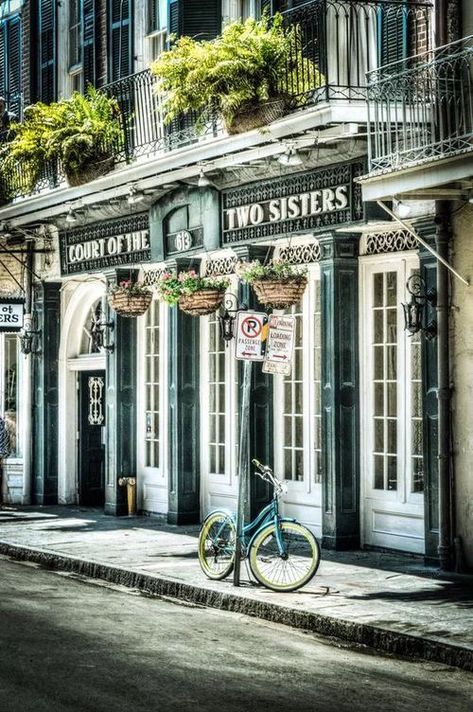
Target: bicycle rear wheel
{"x":217,"y":545}
{"x":292,"y":570}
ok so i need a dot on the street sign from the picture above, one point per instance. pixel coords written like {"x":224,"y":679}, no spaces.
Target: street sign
{"x":280,"y":346}
{"x":251,"y":332}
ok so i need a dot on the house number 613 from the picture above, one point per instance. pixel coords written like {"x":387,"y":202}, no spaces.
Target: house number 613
{"x":183,"y":241}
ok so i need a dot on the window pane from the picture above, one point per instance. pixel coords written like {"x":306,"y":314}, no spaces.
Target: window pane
{"x":152,"y":365}
{"x":378,"y":461}
{"x":11,"y":391}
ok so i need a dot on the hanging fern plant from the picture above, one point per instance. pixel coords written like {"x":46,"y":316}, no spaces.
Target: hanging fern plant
{"x":83,"y":133}
{"x":251,"y":65}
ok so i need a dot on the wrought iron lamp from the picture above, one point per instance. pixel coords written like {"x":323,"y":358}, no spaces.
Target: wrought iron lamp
{"x":100,"y":334}
{"x":227,"y":319}
{"x":30,"y":336}
{"x":415,"y":309}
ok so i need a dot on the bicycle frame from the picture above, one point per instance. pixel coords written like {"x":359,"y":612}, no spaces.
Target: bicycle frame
{"x":268,"y":515}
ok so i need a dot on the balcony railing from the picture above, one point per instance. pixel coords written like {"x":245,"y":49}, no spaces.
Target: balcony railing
{"x":421,"y":109}
{"x":337,"y":42}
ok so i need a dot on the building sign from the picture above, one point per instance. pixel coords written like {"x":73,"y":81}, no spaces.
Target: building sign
{"x":106,"y":244}
{"x":11,"y":314}
{"x":280,"y":346}
{"x":251,"y":333}
{"x":184,"y":240}
{"x":297,"y":203}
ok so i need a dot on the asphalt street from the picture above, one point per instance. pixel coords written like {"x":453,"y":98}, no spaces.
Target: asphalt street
{"x":69,"y":643}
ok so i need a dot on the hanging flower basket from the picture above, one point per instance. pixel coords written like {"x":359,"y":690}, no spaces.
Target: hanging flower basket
{"x":130,"y":299}
{"x":195,"y":295}
{"x":89,"y":171}
{"x":205,"y":301}
{"x":279,"y":294}
{"x":278,"y":284}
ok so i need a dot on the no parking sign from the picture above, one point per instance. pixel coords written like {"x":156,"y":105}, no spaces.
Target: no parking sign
{"x":251,"y":333}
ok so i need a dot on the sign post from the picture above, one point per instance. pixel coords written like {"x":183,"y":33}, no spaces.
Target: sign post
{"x":251,"y":334}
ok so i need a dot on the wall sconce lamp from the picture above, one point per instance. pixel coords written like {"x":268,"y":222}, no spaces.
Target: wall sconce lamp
{"x":30,"y":336}
{"x":100,"y":333}
{"x":227,"y":319}
{"x":415,"y":310}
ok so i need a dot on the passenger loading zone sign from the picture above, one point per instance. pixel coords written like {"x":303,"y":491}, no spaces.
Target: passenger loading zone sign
{"x":280,"y":346}
{"x":251,"y":333}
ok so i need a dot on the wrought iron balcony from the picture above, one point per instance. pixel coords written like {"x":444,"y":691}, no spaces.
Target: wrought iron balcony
{"x":421,"y":108}
{"x":342,"y":41}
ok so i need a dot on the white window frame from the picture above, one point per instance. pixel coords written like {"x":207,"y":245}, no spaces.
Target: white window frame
{"x":220,"y":484}
{"x":299,"y":492}
{"x":152,"y":477}
{"x":20,"y":415}
{"x":402,"y":264}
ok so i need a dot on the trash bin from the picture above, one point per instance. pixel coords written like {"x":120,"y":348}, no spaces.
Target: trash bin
{"x":130,"y":484}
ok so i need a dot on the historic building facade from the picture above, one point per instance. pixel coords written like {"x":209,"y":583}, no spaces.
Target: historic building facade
{"x":352,"y":430}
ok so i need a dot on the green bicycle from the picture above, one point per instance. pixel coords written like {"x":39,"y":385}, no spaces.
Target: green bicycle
{"x":283,"y":554}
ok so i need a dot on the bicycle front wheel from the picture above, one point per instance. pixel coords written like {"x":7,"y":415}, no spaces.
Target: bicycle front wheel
{"x":217,"y":545}
{"x":294,"y":567}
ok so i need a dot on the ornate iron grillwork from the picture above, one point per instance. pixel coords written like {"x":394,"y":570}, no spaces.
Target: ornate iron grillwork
{"x":420,"y":108}
{"x":220,"y":266}
{"x":304,"y":254}
{"x":96,"y":389}
{"x":394,"y":241}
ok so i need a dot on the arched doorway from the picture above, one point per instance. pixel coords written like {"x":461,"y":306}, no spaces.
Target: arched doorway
{"x":82,"y":388}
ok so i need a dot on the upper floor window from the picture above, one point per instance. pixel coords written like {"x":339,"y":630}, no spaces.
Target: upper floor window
{"x":10,"y":62}
{"x":84,"y":45}
{"x":46,"y":64}
{"x":120,"y":38}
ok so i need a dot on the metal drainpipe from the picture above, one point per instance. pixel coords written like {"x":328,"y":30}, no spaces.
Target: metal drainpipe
{"x":445,"y":480}
{"x":27,"y":394}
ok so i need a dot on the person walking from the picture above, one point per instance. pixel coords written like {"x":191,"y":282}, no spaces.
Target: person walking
{"x":4,"y":451}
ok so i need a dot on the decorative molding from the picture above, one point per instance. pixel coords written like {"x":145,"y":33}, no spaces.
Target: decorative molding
{"x":393,"y":241}
{"x":302,"y":254}
{"x":220,"y":266}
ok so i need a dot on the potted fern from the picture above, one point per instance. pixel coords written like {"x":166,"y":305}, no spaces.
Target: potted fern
{"x":243,"y":74}
{"x":82,"y":133}
{"x":277,"y":284}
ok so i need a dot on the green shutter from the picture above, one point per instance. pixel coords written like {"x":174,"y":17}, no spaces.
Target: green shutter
{"x":194,"y":18}
{"x":88,"y":42}
{"x":392,"y":34}
{"x":10,"y":63}
{"x":120,"y":39}
{"x":47,"y":51}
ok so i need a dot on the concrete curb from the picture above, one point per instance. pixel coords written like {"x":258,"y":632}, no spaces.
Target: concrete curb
{"x":393,"y":642}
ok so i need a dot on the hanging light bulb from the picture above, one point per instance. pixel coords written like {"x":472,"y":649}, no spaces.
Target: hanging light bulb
{"x":290,"y":157}
{"x":203,"y":181}
{"x":71,"y":217}
{"x":403,"y":210}
{"x":134,"y":195}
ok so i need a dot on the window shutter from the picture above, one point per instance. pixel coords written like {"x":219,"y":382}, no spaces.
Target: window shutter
{"x":47,"y":51}
{"x":120,"y":34}
{"x":88,"y":42}
{"x":174,"y":22}
{"x":3,"y":78}
{"x":14,"y":65}
{"x":392,"y":34}
{"x":202,"y":20}
{"x":194,"y":18}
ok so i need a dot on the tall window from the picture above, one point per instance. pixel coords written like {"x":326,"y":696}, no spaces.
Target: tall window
{"x":10,"y":390}
{"x":397,"y":444}
{"x":10,"y":63}
{"x":217,"y":399}
{"x":120,"y":37}
{"x":46,"y":85}
{"x":297,"y":409}
{"x":152,"y":364}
